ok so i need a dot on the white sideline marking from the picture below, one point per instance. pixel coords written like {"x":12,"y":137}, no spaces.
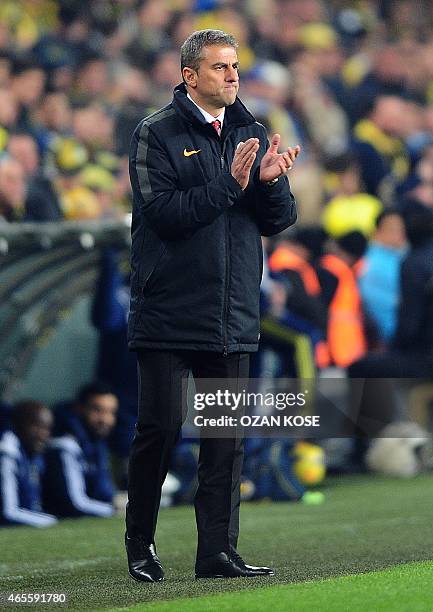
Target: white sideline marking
{"x":61,"y":565}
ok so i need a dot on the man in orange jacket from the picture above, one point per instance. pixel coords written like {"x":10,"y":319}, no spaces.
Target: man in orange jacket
{"x":346,"y":333}
{"x":294,"y":263}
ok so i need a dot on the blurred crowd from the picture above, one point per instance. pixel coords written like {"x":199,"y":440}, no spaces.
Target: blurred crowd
{"x":341,"y":78}
{"x":350,"y":80}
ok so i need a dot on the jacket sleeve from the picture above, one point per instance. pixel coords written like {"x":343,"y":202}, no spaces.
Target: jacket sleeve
{"x":11,"y":511}
{"x":169,"y":210}
{"x":274,"y":206}
{"x":75,"y":489}
{"x":67,"y":472}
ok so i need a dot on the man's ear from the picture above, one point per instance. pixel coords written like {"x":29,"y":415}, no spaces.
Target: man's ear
{"x":190,"y":77}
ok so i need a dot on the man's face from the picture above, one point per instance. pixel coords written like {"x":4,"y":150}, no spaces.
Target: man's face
{"x":24,"y":149}
{"x":391,"y":232}
{"x":28,"y":86}
{"x":36,"y":433}
{"x":99,"y":414}
{"x":8,"y":108}
{"x":12,"y":183}
{"x":216,"y":83}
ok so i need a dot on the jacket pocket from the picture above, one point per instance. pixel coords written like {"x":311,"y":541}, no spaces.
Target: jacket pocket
{"x":150,"y":267}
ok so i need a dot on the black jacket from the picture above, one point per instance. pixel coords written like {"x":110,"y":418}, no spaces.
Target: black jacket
{"x":196,"y":248}
{"x":415,"y":320}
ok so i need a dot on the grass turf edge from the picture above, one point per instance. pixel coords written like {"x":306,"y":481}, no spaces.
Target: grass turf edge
{"x":402,"y":587}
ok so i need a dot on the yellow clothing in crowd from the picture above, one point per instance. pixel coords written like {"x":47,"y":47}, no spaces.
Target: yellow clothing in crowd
{"x":346,"y":213}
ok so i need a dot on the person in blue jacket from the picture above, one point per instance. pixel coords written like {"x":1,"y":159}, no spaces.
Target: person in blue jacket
{"x":22,"y":465}
{"x":116,"y":364}
{"x":379,"y":281}
{"x":78,"y":481}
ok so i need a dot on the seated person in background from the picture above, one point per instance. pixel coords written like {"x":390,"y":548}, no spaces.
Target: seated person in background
{"x":22,"y":466}
{"x":78,"y":480}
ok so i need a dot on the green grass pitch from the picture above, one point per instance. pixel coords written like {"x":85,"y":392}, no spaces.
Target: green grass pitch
{"x":368,"y":547}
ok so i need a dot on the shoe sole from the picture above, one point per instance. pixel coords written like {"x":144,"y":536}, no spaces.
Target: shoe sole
{"x":197,"y":577}
{"x":222,"y":576}
{"x":258,"y":575}
{"x":147,"y":581}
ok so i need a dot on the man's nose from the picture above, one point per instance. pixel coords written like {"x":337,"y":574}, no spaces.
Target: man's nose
{"x":232,"y":74}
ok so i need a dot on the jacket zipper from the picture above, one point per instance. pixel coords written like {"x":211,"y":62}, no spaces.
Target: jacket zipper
{"x":227,"y":266}
{"x":226,"y":294}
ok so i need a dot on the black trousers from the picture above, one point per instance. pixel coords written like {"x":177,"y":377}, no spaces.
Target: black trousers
{"x":373,"y":389}
{"x":162,"y":388}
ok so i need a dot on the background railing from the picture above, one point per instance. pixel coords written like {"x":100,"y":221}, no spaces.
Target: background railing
{"x":44,"y":270}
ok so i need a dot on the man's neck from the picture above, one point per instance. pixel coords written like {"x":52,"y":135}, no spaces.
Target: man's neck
{"x":215,"y":112}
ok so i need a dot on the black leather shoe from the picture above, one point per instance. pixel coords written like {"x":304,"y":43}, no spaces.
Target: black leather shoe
{"x":143,"y":562}
{"x":251,"y":569}
{"x":223,"y":566}
{"x":217,"y":566}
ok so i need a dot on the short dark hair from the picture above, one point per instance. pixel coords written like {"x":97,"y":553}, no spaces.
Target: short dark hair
{"x":341,"y":163}
{"x":387,"y":212}
{"x":353,"y":243}
{"x":97,"y":387}
{"x":25,"y":412}
{"x":25,"y":63}
{"x":190,"y":51}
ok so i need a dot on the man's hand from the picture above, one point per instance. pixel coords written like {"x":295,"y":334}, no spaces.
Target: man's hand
{"x":274,"y":164}
{"x":243,"y":161}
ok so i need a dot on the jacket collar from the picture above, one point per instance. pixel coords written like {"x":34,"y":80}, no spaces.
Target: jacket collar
{"x":236,"y":114}
{"x":69,"y":422}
